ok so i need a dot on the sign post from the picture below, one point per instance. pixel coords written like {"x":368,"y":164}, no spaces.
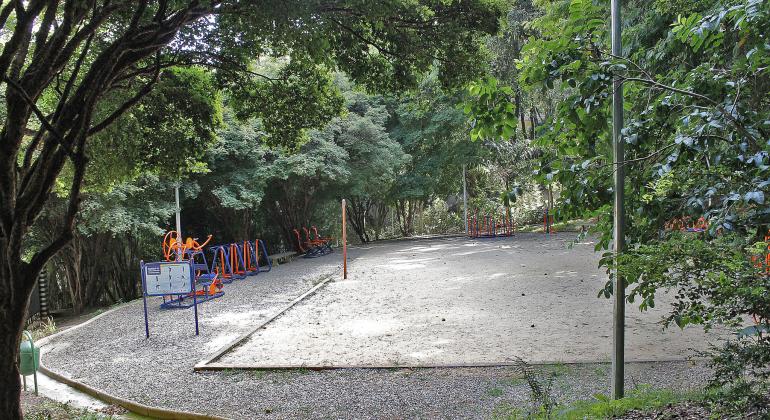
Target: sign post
{"x":344,"y":243}
{"x":168,"y":278}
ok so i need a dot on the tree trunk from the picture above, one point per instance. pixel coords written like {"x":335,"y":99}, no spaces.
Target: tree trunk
{"x":520,"y":113}
{"x":16,"y":281}
{"x":532,"y":123}
{"x":405,"y":211}
{"x":357,"y":210}
{"x":377,"y":216}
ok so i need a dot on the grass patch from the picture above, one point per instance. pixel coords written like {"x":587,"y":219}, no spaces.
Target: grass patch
{"x":601,"y":371}
{"x":54,"y":410}
{"x":559,"y":369}
{"x":507,"y":411}
{"x":43,"y":328}
{"x":566,"y":226}
{"x":641,"y":398}
{"x":516,"y":380}
{"x":495,"y":392}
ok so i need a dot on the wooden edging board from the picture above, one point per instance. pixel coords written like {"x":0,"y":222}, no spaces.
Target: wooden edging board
{"x":203,"y":364}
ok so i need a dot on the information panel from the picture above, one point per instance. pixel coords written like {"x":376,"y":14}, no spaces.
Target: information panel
{"x":167,"y":278}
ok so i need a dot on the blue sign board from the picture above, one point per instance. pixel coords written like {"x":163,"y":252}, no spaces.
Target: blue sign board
{"x":168,"y":278}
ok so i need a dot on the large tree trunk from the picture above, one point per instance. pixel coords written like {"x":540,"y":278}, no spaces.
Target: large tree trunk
{"x":16,"y":282}
{"x":357,"y":210}
{"x":377,"y":215}
{"x":71,"y":257}
{"x":405,"y":210}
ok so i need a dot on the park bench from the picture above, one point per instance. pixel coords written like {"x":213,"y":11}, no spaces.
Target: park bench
{"x":323,"y":243}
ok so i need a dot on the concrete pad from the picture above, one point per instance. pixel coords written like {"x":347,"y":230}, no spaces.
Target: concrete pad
{"x":463,"y":302}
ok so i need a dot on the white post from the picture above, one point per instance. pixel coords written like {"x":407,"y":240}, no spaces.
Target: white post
{"x":465,"y":200}
{"x":178,"y":215}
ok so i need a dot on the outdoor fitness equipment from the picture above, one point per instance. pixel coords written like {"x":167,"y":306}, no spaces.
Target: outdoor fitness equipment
{"x":309,"y":248}
{"x":220,"y":262}
{"x":191,"y":251}
{"x":323,"y":243}
{"x":490,"y":226}
{"x":237,"y":263}
{"x":176,"y":250}
{"x":251,"y":255}
{"x":210,"y":284}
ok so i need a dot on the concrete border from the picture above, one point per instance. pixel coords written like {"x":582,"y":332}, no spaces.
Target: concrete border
{"x":507,"y":363}
{"x":129,"y":405}
{"x":203,"y":364}
{"x":134,"y":407}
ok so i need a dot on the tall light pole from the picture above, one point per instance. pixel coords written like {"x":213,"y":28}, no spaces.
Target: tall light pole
{"x":619,"y":307}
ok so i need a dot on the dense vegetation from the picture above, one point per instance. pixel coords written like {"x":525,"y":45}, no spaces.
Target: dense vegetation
{"x":697,"y":132}
{"x":148,"y":83}
{"x":301,"y":104}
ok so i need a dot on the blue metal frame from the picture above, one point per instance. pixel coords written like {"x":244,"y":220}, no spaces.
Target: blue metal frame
{"x":239,"y":255}
{"x":225,"y":248}
{"x":267,"y":258}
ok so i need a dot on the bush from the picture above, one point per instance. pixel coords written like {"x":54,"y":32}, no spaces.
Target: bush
{"x":437,"y":219}
{"x":717,"y":281}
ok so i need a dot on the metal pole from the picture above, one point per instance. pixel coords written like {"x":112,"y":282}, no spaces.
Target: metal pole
{"x":178,"y":214}
{"x":344,"y":243}
{"x":144,"y":298}
{"x":619,"y":310}
{"x":465,"y":200}
{"x":195,"y":295}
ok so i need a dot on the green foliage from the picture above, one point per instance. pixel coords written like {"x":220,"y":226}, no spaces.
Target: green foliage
{"x":302,"y":96}
{"x":167,"y":133}
{"x":437,"y":219}
{"x":696,"y":137}
{"x":131,"y":208}
{"x":715,"y":280}
{"x":432,"y":130}
{"x":494,"y":116}
{"x":375,"y":159}
{"x":643,"y":398}
{"x":236,"y":163}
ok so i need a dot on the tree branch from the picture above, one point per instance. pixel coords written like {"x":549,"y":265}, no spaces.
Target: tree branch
{"x":39,"y":114}
{"x":126,"y":105}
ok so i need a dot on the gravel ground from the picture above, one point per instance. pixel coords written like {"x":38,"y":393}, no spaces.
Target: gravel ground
{"x":111,"y":353}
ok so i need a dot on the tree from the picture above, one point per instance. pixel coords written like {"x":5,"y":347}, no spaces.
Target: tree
{"x":432,"y":130}
{"x":695,"y":80}
{"x":62,"y":60}
{"x":374,"y":159}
